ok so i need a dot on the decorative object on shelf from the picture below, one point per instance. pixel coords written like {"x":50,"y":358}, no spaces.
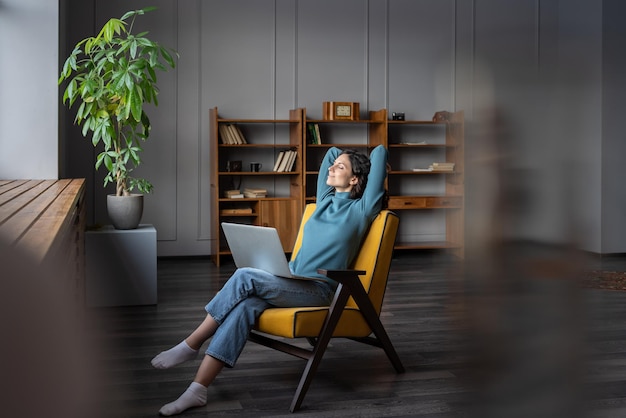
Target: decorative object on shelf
{"x":255,"y":167}
{"x":113,"y":76}
{"x":442,"y":116}
{"x":397,"y":116}
{"x":340,"y":110}
{"x":233,"y":166}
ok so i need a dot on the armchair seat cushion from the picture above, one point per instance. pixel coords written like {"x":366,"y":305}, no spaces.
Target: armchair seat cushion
{"x":308,"y":322}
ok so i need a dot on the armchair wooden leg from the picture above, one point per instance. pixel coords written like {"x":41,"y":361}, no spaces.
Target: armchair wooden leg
{"x":334,"y":313}
{"x":373,"y":320}
{"x":371,"y":316}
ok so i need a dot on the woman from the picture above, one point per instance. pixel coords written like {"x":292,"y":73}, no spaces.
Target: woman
{"x":350,"y":193}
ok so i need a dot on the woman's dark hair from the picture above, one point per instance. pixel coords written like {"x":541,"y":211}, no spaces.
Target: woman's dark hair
{"x":361,"y":169}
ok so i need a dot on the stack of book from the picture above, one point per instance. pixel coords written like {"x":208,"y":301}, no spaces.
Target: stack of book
{"x":233,"y":194}
{"x":236,"y":211}
{"x":230,"y":134}
{"x":442,"y":166}
{"x":254,"y":193}
{"x":314,"y":133}
{"x":286,"y":160}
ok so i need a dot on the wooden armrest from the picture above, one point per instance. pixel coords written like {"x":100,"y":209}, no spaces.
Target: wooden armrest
{"x":338,"y":274}
{"x":346,"y":277}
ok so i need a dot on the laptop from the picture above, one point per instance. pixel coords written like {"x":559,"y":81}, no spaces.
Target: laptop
{"x":258,"y":247}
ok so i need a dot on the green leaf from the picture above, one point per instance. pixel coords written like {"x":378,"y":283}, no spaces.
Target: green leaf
{"x":168,"y":58}
{"x":108,"y":162}
{"x":86,"y":129}
{"x":127,"y":105}
{"x":128,"y":14}
{"x":133,"y":49}
{"x":99,"y":160}
{"x":152,"y":74}
{"x":136,"y":103}
{"x":81,"y":110}
{"x":97,"y":134}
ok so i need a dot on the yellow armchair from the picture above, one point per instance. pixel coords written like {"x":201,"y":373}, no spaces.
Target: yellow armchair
{"x":353,"y":313}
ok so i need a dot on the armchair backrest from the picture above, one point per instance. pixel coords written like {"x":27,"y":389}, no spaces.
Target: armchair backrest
{"x":374,"y":257}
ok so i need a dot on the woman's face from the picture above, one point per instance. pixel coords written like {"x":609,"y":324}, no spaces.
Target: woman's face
{"x":340,"y":174}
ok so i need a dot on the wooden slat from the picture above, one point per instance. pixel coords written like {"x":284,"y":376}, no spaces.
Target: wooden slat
{"x":18,"y":214}
{"x":34,"y":212}
{"x":7,"y":185}
{"x":55,"y":221}
{"x":17,"y":201}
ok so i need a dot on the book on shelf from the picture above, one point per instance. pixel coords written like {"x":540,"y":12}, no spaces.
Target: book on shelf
{"x":292,"y":160}
{"x":437,"y":167}
{"x":314,"y":133}
{"x":231,"y":134}
{"x":279,"y":159}
{"x":318,"y":136}
{"x":236,"y":211}
{"x":224,"y":134}
{"x":311,"y":133}
{"x":240,"y":138}
{"x":442,"y":166}
{"x":233,"y":194}
{"x":285,"y":161}
{"x":254,"y":193}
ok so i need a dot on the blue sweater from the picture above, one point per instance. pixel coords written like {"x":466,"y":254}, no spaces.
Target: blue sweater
{"x":333,"y":233}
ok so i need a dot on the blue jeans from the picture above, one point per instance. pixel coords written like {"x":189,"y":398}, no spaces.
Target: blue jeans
{"x":245,"y":296}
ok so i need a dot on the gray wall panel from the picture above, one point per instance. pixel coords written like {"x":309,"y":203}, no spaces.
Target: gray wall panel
{"x":377,"y":85}
{"x":332,"y":53}
{"x":285,"y":62}
{"x":238,"y":55}
{"x":421,"y":57}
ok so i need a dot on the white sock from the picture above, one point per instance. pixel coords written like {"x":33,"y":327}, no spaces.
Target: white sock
{"x":175,"y":355}
{"x":195,"y":395}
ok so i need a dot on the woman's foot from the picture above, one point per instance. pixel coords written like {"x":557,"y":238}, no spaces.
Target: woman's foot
{"x":174,"y":356}
{"x":195,"y":395}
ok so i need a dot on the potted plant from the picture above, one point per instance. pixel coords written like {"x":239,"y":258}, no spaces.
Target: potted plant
{"x":113,"y":75}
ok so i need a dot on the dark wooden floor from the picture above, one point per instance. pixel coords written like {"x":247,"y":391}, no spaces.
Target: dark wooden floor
{"x":545,"y":349}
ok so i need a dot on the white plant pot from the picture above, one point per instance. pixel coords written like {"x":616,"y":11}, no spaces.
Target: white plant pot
{"x":125,"y":211}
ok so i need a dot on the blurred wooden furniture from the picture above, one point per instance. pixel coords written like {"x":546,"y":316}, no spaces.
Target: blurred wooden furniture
{"x":45,"y":220}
